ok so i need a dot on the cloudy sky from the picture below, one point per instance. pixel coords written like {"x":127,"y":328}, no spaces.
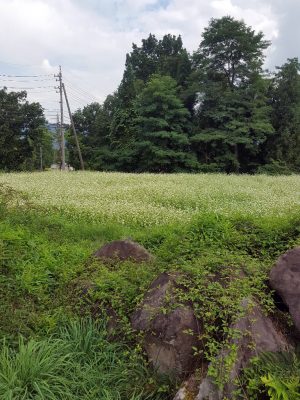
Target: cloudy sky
{"x":90,"y":38}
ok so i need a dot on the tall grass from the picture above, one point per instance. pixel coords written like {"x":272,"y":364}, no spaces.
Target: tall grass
{"x":78,"y":362}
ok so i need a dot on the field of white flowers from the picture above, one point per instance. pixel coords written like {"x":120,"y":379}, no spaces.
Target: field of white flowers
{"x":148,"y":199}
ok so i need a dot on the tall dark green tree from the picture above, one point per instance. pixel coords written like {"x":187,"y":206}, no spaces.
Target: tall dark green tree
{"x":23,"y":132}
{"x":166,"y":57}
{"x":232,"y":120}
{"x":284,"y":146}
{"x":162,"y":140}
{"x":231,"y":51}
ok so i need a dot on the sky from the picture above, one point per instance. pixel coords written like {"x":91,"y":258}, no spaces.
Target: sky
{"x":90,"y":39}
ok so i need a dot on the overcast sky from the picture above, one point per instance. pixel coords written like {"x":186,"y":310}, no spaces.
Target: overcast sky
{"x":90,"y":38}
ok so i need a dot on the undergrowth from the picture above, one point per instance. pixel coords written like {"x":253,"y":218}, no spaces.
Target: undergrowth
{"x":77,"y":362}
{"x":44,"y":257}
{"x":274,"y":375}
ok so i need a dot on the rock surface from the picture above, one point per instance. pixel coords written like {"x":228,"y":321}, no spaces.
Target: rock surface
{"x":188,"y":389}
{"x":256,"y":333}
{"x":285,"y":280}
{"x":170,"y":332}
{"x":123,"y":250}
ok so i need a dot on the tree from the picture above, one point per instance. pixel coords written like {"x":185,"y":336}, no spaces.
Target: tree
{"x":165,"y":57}
{"x":22,"y":132}
{"x":230,"y":51}
{"x":284,"y":145}
{"x":232,"y":120}
{"x":162,"y":141}
{"x":92,"y":125}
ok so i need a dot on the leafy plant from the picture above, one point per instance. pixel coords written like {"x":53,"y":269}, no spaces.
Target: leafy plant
{"x":277,"y":374}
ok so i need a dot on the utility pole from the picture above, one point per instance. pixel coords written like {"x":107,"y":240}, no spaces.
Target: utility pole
{"x":62,"y":134}
{"x":41,"y":158}
{"x":73,"y":127}
{"x":58,"y":156}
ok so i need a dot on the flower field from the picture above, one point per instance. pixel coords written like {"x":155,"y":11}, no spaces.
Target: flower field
{"x":148,"y":199}
{"x":202,"y":225}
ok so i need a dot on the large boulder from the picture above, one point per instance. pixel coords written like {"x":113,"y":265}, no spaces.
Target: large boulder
{"x":285,"y":280}
{"x":171,"y":331}
{"x":122,"y":250}
{"x":256,"y":334}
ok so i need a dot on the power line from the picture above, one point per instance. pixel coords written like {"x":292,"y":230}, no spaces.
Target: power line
{"x":76,"y":87}
{"x":81,"y":94}
{"x":26,"y":80}
{"x":29,"y":88}
{"x":82,"y":98}
{"x":25,"y":76}
{"x":40,"y":91}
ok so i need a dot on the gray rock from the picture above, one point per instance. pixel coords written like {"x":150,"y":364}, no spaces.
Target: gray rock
{"x":188,"y":389}
{"x":123,"y":250}
{"x":170,"y":332}
{"x":285,"y":280}
{"x":209,"y":391}
{"x":256,"y":334}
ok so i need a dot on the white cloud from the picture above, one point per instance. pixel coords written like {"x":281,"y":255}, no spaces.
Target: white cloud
{"x":90,"y":38}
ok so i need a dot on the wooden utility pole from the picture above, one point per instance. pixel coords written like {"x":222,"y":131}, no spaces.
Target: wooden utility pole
{"x":58,"y":156}
{"x":73,"y":127}
{"x":41,"y":158}
{"x":61,"y":128}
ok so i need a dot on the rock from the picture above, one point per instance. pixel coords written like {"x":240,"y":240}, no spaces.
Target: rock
{"x":209,"y":391}
{"x":285,"y":280}
{"x":123,"y":250}
{"x":256,"y":334}
{"x":189,"y":388}
{"x":181,"y":394}
{"x":170,"y":332}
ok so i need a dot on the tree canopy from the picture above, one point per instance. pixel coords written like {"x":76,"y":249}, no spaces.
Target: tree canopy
{"x":214,"y":110}
{"x":23,"y":133}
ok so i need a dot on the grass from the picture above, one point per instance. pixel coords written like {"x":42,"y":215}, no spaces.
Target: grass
{"x":206,"y":226}
{"x":76,"y":363}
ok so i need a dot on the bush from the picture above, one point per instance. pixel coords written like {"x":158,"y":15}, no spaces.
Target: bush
{"x":275,"y":168}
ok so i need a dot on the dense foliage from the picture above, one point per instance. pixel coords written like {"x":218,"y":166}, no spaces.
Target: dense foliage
{"x":214,"y":110}
{"x":25,"y":143}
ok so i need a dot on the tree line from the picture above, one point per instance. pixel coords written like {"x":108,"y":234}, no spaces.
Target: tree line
{"x":25,"y":142}
{"x":213,"y":110}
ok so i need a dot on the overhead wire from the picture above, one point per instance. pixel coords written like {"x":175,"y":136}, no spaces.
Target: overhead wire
{"x":29,"y":88}
{"x":78,"y":87}
{"x":78,"y":97}
{"x":26,"y":76}
{"x":80,"y":90}
{"x":81,"y":95}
